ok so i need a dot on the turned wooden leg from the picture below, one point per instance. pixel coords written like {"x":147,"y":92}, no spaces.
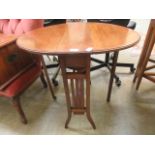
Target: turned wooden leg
{"x":43,"y":80}
{"x":17,"y":105}
{"x":112,"y":75}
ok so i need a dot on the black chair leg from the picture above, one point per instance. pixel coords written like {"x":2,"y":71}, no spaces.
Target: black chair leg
{"x":107,"y":64}
{"x":43,"y":80}
{"x":55,"y":82}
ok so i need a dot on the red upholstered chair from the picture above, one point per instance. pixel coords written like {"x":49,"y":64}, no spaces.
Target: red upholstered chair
{"x":19,"y":26}
{"x":18,"y":69}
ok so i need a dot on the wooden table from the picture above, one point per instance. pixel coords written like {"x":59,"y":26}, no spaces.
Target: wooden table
{"x":74,"y":43}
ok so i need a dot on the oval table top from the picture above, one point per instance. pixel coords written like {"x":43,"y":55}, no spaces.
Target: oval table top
{"x":78,"y":37}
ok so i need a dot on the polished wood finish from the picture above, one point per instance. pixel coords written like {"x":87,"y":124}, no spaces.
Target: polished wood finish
{"x":77,"y":84}
{"x":74,"y":38}
{"x":73,"y":43}
{"x":142,"y":68}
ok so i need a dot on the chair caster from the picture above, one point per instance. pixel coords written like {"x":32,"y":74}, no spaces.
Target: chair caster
{"x":118,"y":83}
{"x":132,"y":69}
{"x":55,"y":82}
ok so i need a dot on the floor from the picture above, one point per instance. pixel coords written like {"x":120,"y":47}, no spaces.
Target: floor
{"x":129,"y":112}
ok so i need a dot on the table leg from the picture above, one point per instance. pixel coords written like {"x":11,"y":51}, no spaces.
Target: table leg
{"x":76,"y":84}
{"x":112,"y":75}
{"x":48,"y":79}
